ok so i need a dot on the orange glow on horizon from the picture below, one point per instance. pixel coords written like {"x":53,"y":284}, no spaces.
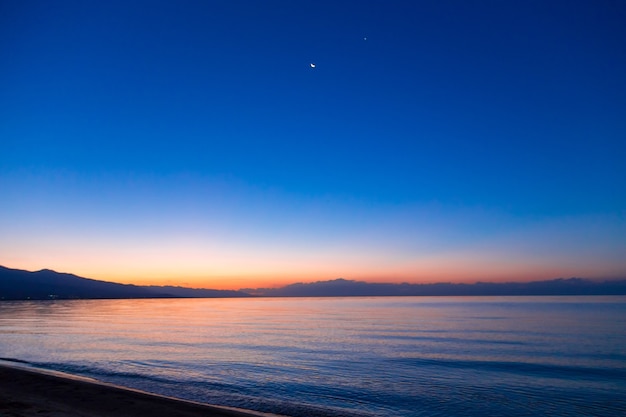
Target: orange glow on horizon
{"x":237,"y":282}
{"x":232,"y":270}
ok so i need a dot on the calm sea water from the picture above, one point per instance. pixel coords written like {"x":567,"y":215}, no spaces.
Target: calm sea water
{"x":422,"y":356}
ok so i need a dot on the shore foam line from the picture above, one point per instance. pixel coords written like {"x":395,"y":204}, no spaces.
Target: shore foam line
{"x":26,"y":391}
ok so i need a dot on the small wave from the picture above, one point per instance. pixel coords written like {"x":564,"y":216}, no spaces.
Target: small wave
{"x":442,"y":339}
{"x":241,"y":395}
{"x":98,"y":372}
{"x":15,"y":360}
{"x":546,"y":370}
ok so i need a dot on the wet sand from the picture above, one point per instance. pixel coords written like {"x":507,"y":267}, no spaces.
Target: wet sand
{"x":27,"y":392}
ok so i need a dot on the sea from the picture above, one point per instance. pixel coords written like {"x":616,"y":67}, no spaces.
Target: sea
{"x":331,"y":357}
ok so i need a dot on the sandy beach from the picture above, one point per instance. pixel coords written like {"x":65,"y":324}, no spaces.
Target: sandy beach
{"x":28,"y":392}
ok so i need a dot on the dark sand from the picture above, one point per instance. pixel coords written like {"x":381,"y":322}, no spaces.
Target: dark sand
{"x":28,"y":392}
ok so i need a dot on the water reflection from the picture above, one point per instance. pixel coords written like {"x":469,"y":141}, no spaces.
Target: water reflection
{"x":349,"y":356}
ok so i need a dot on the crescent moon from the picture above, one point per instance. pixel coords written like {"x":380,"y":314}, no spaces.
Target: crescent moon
{"x":312,"y":65}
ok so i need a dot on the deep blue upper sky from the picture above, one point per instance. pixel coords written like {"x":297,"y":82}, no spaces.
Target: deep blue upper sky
{"x":513,"y":106}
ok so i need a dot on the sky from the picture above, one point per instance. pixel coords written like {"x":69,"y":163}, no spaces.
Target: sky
{"x":194,"y":143}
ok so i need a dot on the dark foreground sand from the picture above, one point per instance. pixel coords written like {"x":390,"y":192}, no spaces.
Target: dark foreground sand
{"x":27,"y":393}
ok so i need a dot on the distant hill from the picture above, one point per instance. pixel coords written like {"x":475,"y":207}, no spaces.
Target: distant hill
{"x":16,"y":284}
{"x":344,"y":287}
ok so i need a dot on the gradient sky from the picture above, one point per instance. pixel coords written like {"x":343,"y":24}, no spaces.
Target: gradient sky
{"x":192,"y":143}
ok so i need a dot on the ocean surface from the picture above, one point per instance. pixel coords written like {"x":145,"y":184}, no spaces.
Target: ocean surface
{"x":413,"y":356}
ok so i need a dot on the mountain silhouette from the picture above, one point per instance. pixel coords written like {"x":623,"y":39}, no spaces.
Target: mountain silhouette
{"x":16,"y":284}
{"x":344,"y":287}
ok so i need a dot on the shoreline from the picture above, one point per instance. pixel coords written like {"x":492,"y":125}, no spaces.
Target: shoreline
{"x":28,"y":392}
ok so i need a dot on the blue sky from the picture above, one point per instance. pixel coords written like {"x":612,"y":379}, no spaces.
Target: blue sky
{"x":192,"y":142}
